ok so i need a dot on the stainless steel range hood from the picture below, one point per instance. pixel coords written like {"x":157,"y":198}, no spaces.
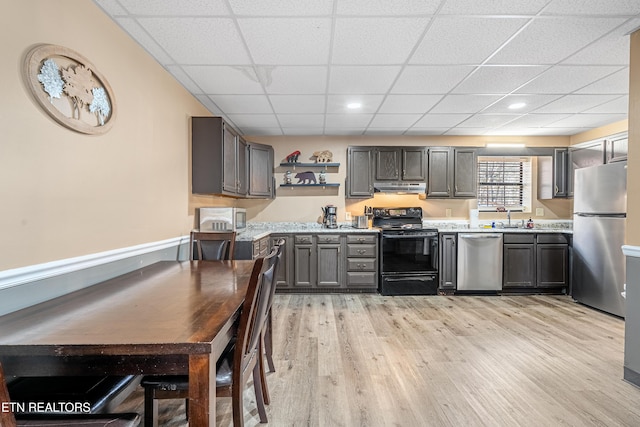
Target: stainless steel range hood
{"x":400,"y":187}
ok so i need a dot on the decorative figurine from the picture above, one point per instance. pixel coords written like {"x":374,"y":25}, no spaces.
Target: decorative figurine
{"x":287,"y":177}
{"x":307,"y":177}
{"x":323,"y":156}
{"x":322,"y":177}
{"x":293,"y":157}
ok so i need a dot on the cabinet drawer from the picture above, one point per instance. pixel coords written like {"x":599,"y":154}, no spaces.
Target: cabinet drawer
{"x":366,"y":251}
{"x":304,"y":238}
{"x":264,"y":245}
{"x":365,"y":279}
{"x":518,"y":238}
{"x":256,"y":249}
{"x":551,"y":238}
{"x":328,"y":238}
{"x":359,"y":264}
{"x":361,"y":239}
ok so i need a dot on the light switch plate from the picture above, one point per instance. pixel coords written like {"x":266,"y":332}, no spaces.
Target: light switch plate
{"x":447,"y":212}
{"x":347,"y":216}
{"x":539,"y":212}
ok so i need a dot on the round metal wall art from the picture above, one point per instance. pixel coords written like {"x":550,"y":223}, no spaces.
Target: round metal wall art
{"x":70,"y":89}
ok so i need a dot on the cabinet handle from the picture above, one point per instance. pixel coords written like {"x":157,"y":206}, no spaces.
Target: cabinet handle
{"x":448,"y":189}
{"x":557,"y":189}
{"x":360,"y":239}
{"x":362,"y":251}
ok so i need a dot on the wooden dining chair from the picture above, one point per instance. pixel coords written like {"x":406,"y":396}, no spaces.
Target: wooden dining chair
{"x":239,"y":361}
{"x":212,"y":245}
{"x":8,"y":419}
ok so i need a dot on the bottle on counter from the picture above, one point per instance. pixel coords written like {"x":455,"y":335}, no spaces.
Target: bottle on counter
{"x":493,"y":224}
{"x":530,"y":223}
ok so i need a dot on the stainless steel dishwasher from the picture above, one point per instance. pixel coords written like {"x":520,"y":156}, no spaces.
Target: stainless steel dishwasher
{"x":479,"y":261}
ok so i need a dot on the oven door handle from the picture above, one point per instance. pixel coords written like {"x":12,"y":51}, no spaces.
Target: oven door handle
{"x":419,"y":279}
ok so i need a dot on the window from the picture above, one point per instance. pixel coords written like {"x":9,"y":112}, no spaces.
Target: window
{"x":504,"y":182}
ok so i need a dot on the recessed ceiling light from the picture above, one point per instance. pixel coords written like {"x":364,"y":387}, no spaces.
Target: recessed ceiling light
{"x":516,"y":106}
{"x":354,"y":105}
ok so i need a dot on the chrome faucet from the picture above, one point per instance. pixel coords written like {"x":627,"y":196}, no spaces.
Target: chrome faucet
{"x":509,"y":217}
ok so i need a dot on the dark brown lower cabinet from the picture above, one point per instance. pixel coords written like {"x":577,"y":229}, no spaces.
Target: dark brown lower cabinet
{"x":535,"y":261}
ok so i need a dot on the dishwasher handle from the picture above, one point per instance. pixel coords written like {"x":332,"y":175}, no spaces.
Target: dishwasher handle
{"x":480,"y":236}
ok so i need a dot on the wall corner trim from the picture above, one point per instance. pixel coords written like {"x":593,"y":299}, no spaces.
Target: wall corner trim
{"x":22,"y":275}
{"x":631,"y":251}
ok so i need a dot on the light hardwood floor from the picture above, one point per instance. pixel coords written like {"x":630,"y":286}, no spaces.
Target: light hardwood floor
{"x":370,"y":360}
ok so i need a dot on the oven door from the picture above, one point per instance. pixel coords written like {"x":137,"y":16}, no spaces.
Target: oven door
{"x":409,"y":284}
{"x":409,"y":253}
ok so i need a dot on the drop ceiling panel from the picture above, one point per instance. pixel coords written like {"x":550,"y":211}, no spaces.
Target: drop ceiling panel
{"x":243,"y":104}
{"x":215,"y":80}
{"x":254,"y":120}
{"x":282,"y":7}
{"x":441,"y":120}
{"x":566,"y":79}
{"x":303,"y":131}
{"x":135,"y":30}
{"x":409,"y":103}
{"x":493,"y":7}
{"x":464,"y":40}
{"x":614,"y":83}
{"x":283,"y":104}
{"x":260,"y":131}
{"x":388,"y":7}
{"x":287,"y":41}
{"x":184,"y":8}
{"x":596,"y":7}
{"x":536,"y":120}
{"x":487,"y":120}
{"x":360,"y":41}
{"x":617,"y":106}
{"x":198,"y":40}
{"x":356,"y":79}
{"x":300,"y":120}
{"x":587,"y":120}
{"x":426,"y":131}
{"x":575,"y":103}
{"x":608,"y":50}
{"x":498,"y":79}
{"x":531,"y":103}
{"x":294,"y":79}
{"x":394,"y":120}
{"x":337,"y":104}
{"x":348,"y":120}
{"x":464,"y":103}
{"x":422,"y":79}
{"x":539,"y":42}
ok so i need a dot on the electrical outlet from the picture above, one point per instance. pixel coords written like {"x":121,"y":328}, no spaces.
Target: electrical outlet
{"x":539,"y":212}
{"x":347,"y":216}
{"x":447,"y":212}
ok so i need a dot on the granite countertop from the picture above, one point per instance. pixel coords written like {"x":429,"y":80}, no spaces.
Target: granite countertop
{"x":259,"y":230}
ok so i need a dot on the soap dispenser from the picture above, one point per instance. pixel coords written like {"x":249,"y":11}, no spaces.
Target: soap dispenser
{"x":530,"y":223}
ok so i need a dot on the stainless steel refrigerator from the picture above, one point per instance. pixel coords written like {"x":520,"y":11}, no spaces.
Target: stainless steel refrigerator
{"x":599,"y":223}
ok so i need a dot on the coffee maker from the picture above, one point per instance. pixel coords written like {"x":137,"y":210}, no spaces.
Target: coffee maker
{"x":330,"y":217}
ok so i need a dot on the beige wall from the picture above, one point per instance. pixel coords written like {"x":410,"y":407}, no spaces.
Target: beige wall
{"x":304,"y":204}
{"x":65,"y":194}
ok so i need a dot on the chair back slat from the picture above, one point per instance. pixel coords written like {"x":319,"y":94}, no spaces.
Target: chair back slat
{"x":213,"y":246}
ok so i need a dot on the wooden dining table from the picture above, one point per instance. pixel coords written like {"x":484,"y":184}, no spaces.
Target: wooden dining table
{"x":167,"y":318}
